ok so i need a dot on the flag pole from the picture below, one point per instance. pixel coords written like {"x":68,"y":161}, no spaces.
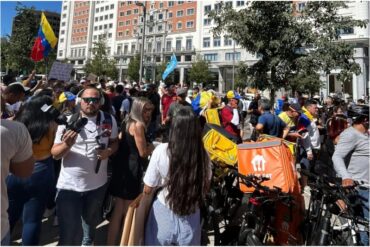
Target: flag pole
{"x":46,"y":68}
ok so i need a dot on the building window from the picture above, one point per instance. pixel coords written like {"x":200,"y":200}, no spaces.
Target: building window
{"x":150,"y":29}
{"x":217,"y":6}
{"x":159,"y":46}
{"x":160,"y":28}
{"x":62,"y":32}
{"x":210,"y":57}
{"x":96,"y":28}
{"x":227,"y":41}
{"x":179,"y":13}
{"x":127,"y":32}
{"x":64,"y":15}
{"x":106,"y":17}
{"x":169,"y":26}
{"x":96,"y":19}
{"x":95,"y":37}
{"x":128,"y":12}
{"x":60,"y":53}
{"x":189,"y":43}
{"x":169,"y":15}
{"x":216,"y":41}
{"x":133,"y":47}
{"x":110,"y":25}
{"x":100,"y":27}
{"x":105,"y":26}
{"x":207,"y":21}
{"x":120,"y":34}
{"x":121,"y":23}
{"x":301,"y":6}
{"x":63,"y":24}
{"x":160,"y":5}
{"x":189,"y":24}
{"x":107,"y":7}
{"x":180,"y":2}
{"x":229,"y":4}
{"x":187,"y":58}
{"x":160,"y":16}
{"x":168,"y":45}
{"x":179,"y":25}
{"x":61,"y":40}
{"x":112,"y":6}
{"x":101,"y":18}
{"x":121,"y":13}
{"x":348,"y":30}
{"x":229,"y":56}
{"x":171,"y":3}
{"x":111,"y":16}
{"x":206,"y":42}
{"x":128,"y":22}
{"x":109,"y":35}
{"x":178,"y":44}
{"x":190,"y":11}
{"x":207,"y":9}
{"x":239,"y":3}
{"x":135,"y":21}
{"x":101,"y":9}
{"x":64,"y":7}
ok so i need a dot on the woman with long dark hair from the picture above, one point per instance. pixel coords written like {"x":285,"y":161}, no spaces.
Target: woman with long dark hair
{"x":28,"y":197}
{"x":182,"y":167}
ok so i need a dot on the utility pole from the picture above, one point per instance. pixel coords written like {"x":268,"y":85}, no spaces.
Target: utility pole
{"x":143,"y":41}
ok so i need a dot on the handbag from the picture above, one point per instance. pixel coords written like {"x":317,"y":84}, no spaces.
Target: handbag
{"x":136,"y":216}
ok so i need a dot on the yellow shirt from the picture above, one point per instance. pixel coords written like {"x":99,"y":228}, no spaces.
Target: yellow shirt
{"x":286,"y":119}
{"x":42,"y":150}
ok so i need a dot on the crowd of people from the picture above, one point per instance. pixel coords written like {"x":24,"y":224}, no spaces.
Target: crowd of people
{"x":70,"y":144}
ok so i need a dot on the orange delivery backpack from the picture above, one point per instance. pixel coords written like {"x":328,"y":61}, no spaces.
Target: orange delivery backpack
{"x":273,"y":158}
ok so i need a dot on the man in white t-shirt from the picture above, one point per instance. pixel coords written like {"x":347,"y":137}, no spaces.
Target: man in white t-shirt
{"x":16,"y":157}
{"x":82,"y":182}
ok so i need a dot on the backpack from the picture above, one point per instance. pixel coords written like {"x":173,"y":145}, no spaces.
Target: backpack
{"x":213,"y":116}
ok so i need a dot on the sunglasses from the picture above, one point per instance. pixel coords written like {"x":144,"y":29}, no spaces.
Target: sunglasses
{"x":91,"y":100}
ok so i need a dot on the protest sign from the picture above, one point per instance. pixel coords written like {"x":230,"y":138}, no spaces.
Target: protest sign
{"x":61,"y":71}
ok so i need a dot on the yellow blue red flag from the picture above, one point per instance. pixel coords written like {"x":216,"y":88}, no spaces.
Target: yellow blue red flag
{"x":45,"y":40}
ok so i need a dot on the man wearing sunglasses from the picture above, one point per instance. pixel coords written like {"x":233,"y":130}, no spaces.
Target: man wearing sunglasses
{"x":83,"y":178}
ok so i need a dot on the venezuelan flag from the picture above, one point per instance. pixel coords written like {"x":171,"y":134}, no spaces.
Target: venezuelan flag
{"x":45,"y":40}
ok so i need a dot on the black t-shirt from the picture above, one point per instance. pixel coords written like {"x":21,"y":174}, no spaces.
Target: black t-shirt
{"x":116,"y":103}
{"x":156,"y":101}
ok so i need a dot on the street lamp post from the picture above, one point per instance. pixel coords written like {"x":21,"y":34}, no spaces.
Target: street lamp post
{"x":143,"y":41}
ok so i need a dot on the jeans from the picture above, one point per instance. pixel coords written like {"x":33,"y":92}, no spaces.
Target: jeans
{"x":364,"y":193}
{"x":76,"y":209}
{"x":28,"y":198}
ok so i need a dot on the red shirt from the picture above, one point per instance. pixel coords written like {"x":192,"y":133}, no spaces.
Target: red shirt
{"x":226,"y":117}
{"x":166,"y":102}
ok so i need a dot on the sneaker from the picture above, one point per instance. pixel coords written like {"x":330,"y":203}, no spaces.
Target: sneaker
{"x":49,"y":212}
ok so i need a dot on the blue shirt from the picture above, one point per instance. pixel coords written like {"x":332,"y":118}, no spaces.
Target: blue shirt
{"x":272,"y":125}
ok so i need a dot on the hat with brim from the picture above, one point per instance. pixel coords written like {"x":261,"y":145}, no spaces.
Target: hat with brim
{"x":14,"y":84}
{"x":232,"y":95}
{"x":181,"y":91}
{"x":296,"y":107}
{"x":66,"y":96}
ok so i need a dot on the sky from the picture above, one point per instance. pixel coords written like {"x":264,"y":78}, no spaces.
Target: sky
{"x":8,"y":11}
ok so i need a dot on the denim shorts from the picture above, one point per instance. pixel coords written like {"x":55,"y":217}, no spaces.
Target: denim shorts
{"x":166,"y":228}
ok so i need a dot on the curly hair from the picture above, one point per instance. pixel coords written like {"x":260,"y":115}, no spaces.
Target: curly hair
{"x":188,"y":164}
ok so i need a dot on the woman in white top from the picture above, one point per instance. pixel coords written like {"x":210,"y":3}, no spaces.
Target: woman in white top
{"x":182,"y":168}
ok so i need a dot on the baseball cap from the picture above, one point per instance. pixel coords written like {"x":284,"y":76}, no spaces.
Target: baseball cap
{"x":82,"y":81}
{"x":296,"y":107}
{"x":181,"y":91}
{"x":19,"y":85}
{"x":232,"y":95}
{"x":66,"y":96}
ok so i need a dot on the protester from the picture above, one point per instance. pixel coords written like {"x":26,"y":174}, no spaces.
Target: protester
{"x":253,"y":111}
{"x":28,"y":197}
{"x":180,"y":101}
{"x":81,"y":185}
{"x":167,"y":99}
{"x":230,"y":115}
{"x":290,"y":117}
{"x":129,"y":164}
{"x":153,"y":96}
{"x":117,"y":101}
{"x":351,"y":162}
{"x":14,"y":95}
{"x":182,"y":168}
{"x":17,"y":159}
{"x":127,"y":103}
{"x":67,"y":103}
{"x":268,"y":123}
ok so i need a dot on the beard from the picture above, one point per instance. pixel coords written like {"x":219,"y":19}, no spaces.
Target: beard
{"x":90,"y":112}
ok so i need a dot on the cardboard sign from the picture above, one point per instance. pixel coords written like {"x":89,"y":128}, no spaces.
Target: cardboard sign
{"x":91,"y":77}
{"x":61,"y":71}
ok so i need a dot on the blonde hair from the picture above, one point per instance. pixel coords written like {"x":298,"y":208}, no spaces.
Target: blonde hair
{"x":137,"y":110}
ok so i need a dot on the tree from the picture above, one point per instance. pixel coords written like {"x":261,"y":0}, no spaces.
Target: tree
{"x":133,"y":70}
{"x":101,"y":65}
{"x":272,"y":30}
{"x":17,"y":54}
{"x":199,"y":71}
{"x":242,"y":79}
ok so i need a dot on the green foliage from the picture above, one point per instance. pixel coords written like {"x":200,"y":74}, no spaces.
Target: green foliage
{"x":242,"y":78}
{"x":309,"y":83}
{"x":101,"y":65}
{"x":17,"y":54}
{"x":271,"y":30}
{"x":133,"y":70}
{"x":199,"y":72}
